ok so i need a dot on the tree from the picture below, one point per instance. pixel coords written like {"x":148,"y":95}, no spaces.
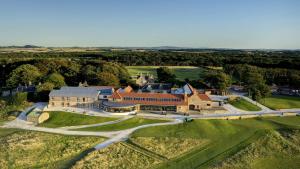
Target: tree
{"x":256,"y":85}
{"x":56,"y":79}
{"x":89,"y":73}
{"x":18,"y":99}
{"x":218,"y":80}
{"x":43,"y":90}
{"x":165,"y":75}
{"x":108,"y":79}
{"x":24,"y":74}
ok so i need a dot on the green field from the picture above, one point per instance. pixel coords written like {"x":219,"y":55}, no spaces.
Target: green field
{"x":130,"y":123}
{"x":243,"y":104}
{"x":281,"y":102}
{"x":181,"y":72}
{"x":62,"y":119}
{"x":234,"y":143}
{"x":26,"y":149}
{"x":257,"y":143}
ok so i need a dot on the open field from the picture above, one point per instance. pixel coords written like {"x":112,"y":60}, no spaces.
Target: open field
{"x":62,"y":119}
{"x":181,"y":72}
{"x":26,"y":149}
{"x":281,"y":102}
{"x":130,"y":123}
{"x":270,"y":142}
{"x":243,"y":104}
{"x":232,"y":142}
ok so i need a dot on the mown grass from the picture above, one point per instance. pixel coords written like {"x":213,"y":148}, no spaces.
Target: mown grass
{"x":26,"y":149}
{"x":226,"y":137}
{"x":281,"y":102}
{"x":62,"y":119}
{"x":127,"y":124}
{"x":243,"y":104}
{"x":181,"y":72}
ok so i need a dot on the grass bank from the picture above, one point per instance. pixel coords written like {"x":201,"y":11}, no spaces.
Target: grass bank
{"x":281,"y":102}
{"x":243,"y":104}
{"x":227,"y":139}
{"x":62,"y":119}
{"x":127,"y":124}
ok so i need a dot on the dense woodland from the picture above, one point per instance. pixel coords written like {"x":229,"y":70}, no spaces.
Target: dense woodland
{"x":256,"y":70}
{"x":107,"y":67}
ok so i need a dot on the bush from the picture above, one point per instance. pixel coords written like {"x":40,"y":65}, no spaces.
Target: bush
{"x":18,"y":99}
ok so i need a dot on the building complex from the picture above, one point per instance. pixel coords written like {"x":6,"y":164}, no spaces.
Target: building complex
{"x":126,"y":100}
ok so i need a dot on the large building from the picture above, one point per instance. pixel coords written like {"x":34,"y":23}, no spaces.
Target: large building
{"x":183,"y":100}
{"x":126,"y":100}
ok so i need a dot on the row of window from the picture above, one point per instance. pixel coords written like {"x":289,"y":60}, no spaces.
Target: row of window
{"x":151,"y":99}
{"x":78,"y":99}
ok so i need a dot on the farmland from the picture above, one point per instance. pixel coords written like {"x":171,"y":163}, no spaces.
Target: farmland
{"x":181,"y":72}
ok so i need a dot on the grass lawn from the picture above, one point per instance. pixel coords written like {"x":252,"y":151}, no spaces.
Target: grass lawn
{"x":130,"y":123}
{"x":62,"y":119}
{"x":244,"y":105}
{"x":27,"y":149}
{"x":281,"y":102}
{"x":232,"y":143}
{"x":181,"y":72}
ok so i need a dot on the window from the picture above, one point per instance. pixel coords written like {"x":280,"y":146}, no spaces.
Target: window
{"x":68,"y":98}
{"x":208,"y":104}
{"x":78,"y":99}
{"x":52,"y":103}
{"x":83,"y":99}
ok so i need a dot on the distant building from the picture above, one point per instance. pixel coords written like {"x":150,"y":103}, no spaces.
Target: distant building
{"x":142,"y":80}
{"x":156,"y":88}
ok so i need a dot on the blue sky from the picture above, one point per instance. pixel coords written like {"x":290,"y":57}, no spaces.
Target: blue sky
{"x":186,"y":23}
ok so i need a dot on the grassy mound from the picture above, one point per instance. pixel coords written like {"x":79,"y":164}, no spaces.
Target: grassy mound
{"x":281,"y":102}
{"x":62,"y":119}
{"x":243,"y":104}
{"x":116,"y":156}
{"x":127,"y":124}
{"x":169,"y":147}
{"x":271,"y":151}
{"x":24,"y":149}
{"x":226,"y":138}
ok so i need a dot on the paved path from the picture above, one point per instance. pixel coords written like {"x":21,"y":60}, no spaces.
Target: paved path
{"x":98,"y":124}
{"x":114,"y":136}
{"x":117,"y":136}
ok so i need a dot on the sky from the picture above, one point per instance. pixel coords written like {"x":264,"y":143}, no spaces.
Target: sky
{"x":240,"y":24}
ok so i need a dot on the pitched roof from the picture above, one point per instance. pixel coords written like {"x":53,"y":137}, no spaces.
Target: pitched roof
{"x":204,"y":97}
{"x":75,"y":92}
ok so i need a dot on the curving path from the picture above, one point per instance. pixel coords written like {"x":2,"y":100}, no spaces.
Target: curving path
{"x":114,"y":136}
